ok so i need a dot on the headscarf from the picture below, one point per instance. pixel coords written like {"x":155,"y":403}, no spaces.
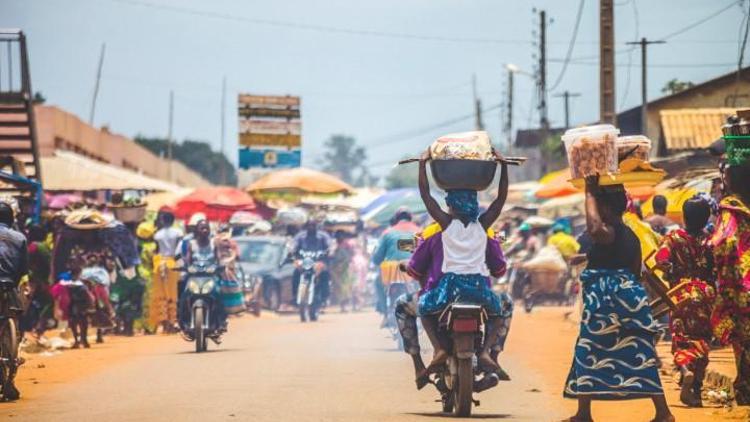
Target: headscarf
{"x":711,"y":201}
{"x":464,"y":203}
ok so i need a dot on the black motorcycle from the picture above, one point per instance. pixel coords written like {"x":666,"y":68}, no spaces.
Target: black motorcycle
{"x":462,"y":330}
{"x":309,"y":296}
{"x":201,"y":307}
{"x":10,"y":310}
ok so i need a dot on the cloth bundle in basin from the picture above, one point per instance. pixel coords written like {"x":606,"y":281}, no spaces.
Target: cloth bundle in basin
{"x":463,"y":161}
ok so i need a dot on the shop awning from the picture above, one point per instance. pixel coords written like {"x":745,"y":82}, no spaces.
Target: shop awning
{"x":693,"y":128}
{"x":68,"y":171}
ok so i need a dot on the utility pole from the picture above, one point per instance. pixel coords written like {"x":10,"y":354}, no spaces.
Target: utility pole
{"x":644,"y":95}
{"x":542,"y":82}
{"x":509,"y":122}
{"x":566,"y":96}
{"x":221,"y":138}
{"x":479,"y":125}
{"x":96,"y":84}
{"x":169,"y":136}
{"x":607,"y":62}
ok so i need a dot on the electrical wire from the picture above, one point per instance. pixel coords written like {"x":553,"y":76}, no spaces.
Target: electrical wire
{"x":699,"y":21}
{"x":570,"y":47}
{"x":741,"y":53}
{"x":316,"y":28}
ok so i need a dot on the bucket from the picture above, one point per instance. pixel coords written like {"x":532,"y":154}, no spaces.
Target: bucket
{"x":463,"y":174}
{"x":591,"y":150}
{"x":636,"y":146}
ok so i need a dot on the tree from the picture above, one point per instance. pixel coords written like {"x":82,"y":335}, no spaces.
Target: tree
{"x":674,"y":86}
{"x":348,"y":161}
{"x":405,"y":176}
{"x":197,"y":156}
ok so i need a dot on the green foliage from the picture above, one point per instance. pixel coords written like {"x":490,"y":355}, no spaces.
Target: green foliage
{"x":197,"y":156}
{"x":553,"y":149}
{"x":405,"y":176}
{"x":346,"y":160}
{"x":674,"y":86}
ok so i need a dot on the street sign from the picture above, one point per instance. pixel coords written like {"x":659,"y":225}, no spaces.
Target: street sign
{"x":270,"y":131}
{"x":269,"y":158}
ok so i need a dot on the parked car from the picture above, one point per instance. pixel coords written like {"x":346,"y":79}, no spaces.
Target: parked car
{"x":264,"y":262}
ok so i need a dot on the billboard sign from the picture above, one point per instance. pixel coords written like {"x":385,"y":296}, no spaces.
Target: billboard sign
{"x":270,"y":131}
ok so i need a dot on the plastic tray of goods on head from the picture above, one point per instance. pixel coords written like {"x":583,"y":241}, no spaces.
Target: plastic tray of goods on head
{"x":632,"y":173}
{"x":636,"y":146}
{"x":591,"y":150}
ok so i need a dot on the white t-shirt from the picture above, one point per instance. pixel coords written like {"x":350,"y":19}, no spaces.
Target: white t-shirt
{"x":465,"y":249}
{"x":167,"y":240}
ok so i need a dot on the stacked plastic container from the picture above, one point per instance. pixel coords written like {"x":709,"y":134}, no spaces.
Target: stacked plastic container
{"x":591,"y":150}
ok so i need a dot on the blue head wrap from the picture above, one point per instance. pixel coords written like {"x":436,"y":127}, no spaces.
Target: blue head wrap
{"x":464,"y":203}
{"x":65,"y":276}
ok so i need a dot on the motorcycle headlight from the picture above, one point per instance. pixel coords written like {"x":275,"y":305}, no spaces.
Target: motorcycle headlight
{"x":307,"y":263}
{"x":194,"y":287}
{"x":208,"y":287}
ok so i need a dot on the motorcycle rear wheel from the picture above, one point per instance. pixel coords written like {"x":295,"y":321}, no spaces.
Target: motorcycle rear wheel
{"x":200,"y":335}
{"x":9,"y":353}
{"x":463,"y":388}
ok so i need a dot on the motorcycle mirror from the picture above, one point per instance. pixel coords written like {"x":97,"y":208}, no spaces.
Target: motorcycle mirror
{"x":406,"y":245}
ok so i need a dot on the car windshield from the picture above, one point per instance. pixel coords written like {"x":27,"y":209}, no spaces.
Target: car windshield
{"x":259,"y":251}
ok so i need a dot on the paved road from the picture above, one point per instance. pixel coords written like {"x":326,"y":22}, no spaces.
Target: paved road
{"x":342,"y":368}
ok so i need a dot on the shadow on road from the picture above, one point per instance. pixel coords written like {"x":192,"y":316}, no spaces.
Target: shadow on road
{"x":448,"y":415}
{"x":209,"y":351}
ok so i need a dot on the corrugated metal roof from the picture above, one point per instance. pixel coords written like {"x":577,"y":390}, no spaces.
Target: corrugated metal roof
{"x":693,"y":128}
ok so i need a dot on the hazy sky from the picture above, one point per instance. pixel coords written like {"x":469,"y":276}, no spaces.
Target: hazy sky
{"x":384,"y":90}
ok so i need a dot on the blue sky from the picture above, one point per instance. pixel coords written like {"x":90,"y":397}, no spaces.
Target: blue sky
{"x":383,"y":90}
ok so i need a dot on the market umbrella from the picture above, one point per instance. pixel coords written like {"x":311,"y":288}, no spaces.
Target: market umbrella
{"x":555,"y":185}
{"x":386,"y":198}
{"x":218,"y":203}
{"x":298,"y":180}
{"x":58,"y":202}
{"x":383,"y":215}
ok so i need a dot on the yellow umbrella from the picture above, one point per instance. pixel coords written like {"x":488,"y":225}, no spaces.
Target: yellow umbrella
{"x":299,"y":181}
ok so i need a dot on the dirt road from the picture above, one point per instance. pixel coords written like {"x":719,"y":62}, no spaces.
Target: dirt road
{"x":275,"y":369}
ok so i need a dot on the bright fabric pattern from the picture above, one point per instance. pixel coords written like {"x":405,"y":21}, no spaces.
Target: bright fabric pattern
{"x":464,"y":203}
{"x":731,"y":316}
{"x":688,"y":259}
{"x":471,"y":288}
{"x":614,"y":355}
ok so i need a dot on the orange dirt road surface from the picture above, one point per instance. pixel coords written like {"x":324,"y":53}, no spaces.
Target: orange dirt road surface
{"x":274,"y":368}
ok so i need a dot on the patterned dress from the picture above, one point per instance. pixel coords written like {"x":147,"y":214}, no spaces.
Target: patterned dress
{"x":688,"y":259}
{"x":731,"y":317}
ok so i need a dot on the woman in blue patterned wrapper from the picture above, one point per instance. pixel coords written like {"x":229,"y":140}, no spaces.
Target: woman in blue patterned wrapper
{"x":465,"y":270}
{"x":614,"y":357}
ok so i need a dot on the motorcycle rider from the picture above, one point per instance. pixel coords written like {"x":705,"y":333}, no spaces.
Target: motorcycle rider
{"x":201,"y":251}
{"x":311,"y":239}
{"x":13,"y":266}
{"x":464,"y":267}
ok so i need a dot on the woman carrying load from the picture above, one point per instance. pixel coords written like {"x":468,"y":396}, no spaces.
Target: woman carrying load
{"x":465,"y":270}
{"x":614,"y":357}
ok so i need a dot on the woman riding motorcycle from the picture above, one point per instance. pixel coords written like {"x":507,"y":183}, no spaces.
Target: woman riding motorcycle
{"x":465,"y":270}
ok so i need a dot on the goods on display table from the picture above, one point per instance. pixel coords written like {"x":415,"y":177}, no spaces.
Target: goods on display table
{"x":636,"y":146}
{"x":591,"y":150}
{"x":737,"y":138}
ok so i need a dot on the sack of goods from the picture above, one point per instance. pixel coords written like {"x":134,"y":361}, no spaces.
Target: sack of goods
{"x":636,"y":146}
{"x":463,"y":161}
{"x":547,"y":259}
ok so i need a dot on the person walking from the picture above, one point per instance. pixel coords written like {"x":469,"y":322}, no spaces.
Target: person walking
{"x":614,"y":356}
{"x":163,"y":301}
{"x":731,"y":247}
{"x":687,"y":262}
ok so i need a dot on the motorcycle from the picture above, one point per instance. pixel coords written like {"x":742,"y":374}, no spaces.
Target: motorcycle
{"x":307,"y":296}
{"x":395,"y":290}
{"x":462,"y":328}
{"x":202,"y":301}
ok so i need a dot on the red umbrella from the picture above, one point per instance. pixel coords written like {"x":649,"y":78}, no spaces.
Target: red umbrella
{"x":218,"y":203}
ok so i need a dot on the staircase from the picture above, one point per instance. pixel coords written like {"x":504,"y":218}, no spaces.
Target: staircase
{"x":19,"y":151}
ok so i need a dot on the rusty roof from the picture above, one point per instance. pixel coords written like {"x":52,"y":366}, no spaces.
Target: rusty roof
{"x":693,"y":128}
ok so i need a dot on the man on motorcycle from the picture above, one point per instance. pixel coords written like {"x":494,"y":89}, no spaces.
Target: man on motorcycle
{"x":313,"y":240}
{"x":201,"y":251}
{"x":387,"y":256}
{"x":13,"y":266}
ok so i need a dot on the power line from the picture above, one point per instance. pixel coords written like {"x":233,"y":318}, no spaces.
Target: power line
{"x":317,"y":28}
{"x":743,"y":44}
{"x":637,"y":20}
{"x":570,"y":46}
{"x":699,"y":21}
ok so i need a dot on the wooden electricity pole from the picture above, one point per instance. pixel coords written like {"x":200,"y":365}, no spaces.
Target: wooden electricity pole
{"x":543,"y":117}
{"x":644,"y":94}
{"x":479,"y":125}
{"x":566,"y":96}
{"x":607,"y":112}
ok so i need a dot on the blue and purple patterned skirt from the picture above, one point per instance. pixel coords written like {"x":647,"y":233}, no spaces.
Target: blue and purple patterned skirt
{"x":614,"y":355}
{"x":469,"y":288}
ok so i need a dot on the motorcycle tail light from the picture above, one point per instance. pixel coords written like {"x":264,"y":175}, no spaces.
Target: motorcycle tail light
{"x":465,"y":325}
